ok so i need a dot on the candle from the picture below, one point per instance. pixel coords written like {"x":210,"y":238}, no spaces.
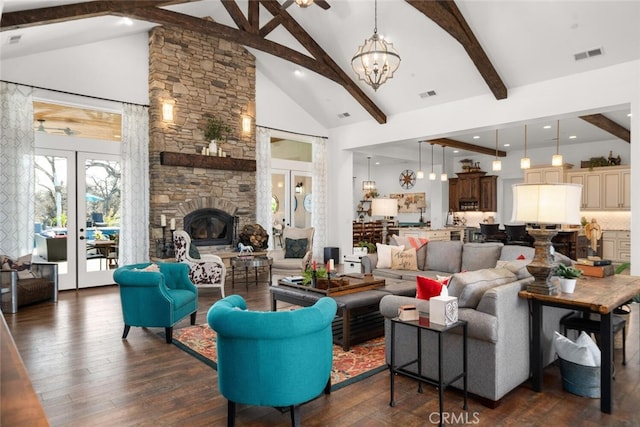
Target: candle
{"x":163,"y":220}
{"x":331,"y":264}
{"x":328,"y":267}
{"x":173,"y":224}
{"x":314,"y":265}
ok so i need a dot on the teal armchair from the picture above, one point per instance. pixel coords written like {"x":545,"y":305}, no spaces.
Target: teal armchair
{"x":278,"y":359}
{"x":156,"y":299}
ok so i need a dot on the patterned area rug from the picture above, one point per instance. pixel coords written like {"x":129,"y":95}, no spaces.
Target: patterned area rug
{"x":362,"y":361}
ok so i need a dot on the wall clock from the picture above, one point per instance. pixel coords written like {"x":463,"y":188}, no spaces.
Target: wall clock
{"x":307,"y":202}
{"x":407,"y":179}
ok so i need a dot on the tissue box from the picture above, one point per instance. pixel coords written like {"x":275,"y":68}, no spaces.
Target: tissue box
{"x":443,"y":310}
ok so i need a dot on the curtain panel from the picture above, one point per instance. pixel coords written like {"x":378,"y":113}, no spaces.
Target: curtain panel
{"x":264,"y":215}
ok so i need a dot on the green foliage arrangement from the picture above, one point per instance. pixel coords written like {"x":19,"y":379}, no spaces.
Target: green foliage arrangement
{"x":321,"y":272}
{"x":216,"y":129}
{"x":371,"y":247}
{"x":567,"y":272}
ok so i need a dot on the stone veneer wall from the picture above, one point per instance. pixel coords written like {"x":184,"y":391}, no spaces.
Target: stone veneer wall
{"x":203,"y":75}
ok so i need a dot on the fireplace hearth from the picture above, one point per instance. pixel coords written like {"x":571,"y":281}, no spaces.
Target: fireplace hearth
{"x":209,"y":227}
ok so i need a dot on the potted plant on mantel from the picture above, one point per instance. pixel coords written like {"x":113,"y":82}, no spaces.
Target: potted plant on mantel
{"x":215,"y":131}
{"x":567,"y":277}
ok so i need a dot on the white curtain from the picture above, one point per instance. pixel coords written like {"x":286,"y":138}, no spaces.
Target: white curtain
{"x":17,"y":170}
{"x":263,"y":181}
{"x":319,"y":197}
{"x":134,"y":222}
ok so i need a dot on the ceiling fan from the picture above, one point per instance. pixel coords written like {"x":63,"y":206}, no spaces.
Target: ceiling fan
{"x":306,"y":3}
{"x":67,"y":131}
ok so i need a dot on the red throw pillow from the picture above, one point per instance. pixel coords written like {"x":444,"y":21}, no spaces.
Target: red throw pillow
{"x":521,"y":257}
{"x":427,"y":288}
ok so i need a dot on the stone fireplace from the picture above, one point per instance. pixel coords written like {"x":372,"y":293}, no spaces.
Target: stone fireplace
{"x":210,"y":221}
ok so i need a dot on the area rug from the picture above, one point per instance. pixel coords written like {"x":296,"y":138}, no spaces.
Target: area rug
{"x":362,"y":361}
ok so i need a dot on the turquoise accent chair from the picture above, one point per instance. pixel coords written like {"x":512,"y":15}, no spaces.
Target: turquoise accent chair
{"x":156,"y":299}
{"x":279,"y":359}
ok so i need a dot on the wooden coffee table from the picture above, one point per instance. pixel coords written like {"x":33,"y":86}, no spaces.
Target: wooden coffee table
{"x":358,"y":318}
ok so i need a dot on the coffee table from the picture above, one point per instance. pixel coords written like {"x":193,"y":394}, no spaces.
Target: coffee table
{"x":254,"y":262}
{"x":358,"y":318}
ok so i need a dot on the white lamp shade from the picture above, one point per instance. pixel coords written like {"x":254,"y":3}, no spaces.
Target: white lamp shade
{"x":547,"y":203}
{"x":384,"y":207}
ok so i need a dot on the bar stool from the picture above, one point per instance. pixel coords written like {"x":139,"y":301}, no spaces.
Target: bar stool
{"x":578,"y":322}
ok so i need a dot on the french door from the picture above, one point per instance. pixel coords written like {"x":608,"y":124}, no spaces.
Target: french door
{"x":77,"y":215}
{"x":291,"y":198}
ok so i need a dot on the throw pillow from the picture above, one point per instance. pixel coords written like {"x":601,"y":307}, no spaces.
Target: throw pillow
{"x":384,"y":254}
{"x":443,"y":279}
{"x":419,"y":243}
{"x":586,"y":340}
{"x":571,"y":351}
{"x":404,"y":259}
{"x":193,"y":251}
{"x":521,"y":256}
{"x":295,"y":248}
{"x":470,"y":286}
{"x":427,"y":288}
{"x":518,"y":267}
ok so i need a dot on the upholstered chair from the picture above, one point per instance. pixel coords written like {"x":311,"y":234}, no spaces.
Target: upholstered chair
{"x":157,"y":299}
{"x":297,"y":253}
{"x":275,"y":358}
{"x":205,"y":270}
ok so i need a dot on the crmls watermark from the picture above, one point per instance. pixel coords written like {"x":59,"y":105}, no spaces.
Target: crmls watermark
{"x":455,"y":418}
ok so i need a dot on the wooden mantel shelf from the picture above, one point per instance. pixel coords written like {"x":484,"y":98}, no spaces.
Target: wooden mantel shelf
{"x":168,"y":158}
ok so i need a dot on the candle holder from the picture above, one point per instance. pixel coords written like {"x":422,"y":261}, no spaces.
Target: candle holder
{"x":314,"y":279}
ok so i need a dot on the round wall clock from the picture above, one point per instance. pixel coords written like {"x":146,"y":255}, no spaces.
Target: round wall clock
{"x":307,"y":202}
{"x":407,"y":179}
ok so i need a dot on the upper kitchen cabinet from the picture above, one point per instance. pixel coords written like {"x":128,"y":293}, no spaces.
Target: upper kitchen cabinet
{"x":473,"y":191}
{"x":605,"y":188}
{"x":546,"y":174}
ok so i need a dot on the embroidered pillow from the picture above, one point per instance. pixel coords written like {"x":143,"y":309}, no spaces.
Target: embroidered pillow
{"x":419,"y":243}
{"x":295,"y":248}
{"x":404,"y":260}
{"x":384,"y":254}
{"x":427,"y":288}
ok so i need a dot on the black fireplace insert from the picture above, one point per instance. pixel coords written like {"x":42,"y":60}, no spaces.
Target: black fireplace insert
{"x":209,"y":227}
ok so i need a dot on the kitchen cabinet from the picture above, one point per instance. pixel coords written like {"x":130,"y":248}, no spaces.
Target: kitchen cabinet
{"x":473,"y":191}
{"x":616,"y":245}
{"x":605,"y":188}
{"x":546,"y":174}
{"x":425,"y":233}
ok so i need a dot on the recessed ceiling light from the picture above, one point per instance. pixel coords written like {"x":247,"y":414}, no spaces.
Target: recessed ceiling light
{"x":456,"y":151}
{"x":629,"y":115}
{"x":547,"y":127}
{"x":126,"y":21}
{"x":377,"y":163}
{"x":507,"y":145}
{"x":298,"y":73}
{"x":572,"y":137}
{"x":476,"y":136}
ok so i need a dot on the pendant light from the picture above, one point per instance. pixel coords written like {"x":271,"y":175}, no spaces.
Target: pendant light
{"x":556,"y":160}
{"x":369,"y":185}
{"x":497,"y":164}
{"x":376,"y":60}
{"x":525,"y":162}
{"x":420,"y":173}
{"x":443,"y":175}
{"x":432,"y":175}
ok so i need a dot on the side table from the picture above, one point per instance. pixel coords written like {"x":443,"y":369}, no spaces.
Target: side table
{"x":249,"y":262}
{"x":423,"y":325}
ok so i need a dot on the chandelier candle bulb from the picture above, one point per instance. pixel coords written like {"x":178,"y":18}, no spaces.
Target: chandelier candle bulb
{"x":172,"y":225}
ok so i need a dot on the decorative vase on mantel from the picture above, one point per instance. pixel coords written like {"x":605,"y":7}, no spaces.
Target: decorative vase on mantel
{"x":213,"y":147}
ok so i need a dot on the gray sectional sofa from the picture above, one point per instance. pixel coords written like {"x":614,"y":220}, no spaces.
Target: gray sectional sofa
{"x":498,"y":320}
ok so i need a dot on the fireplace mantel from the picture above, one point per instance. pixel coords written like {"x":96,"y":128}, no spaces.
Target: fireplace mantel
{"x":169,"y":158}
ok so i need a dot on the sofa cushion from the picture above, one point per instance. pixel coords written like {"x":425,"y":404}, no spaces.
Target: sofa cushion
{"x":476,"y":256}
{"x":517,"y":267}
{"x":295,"y":248}
{"x":427,"y":288}
{"x":404,"y":259}
{"x":444,"y":256}
{"x":470,"y":286}
{"x":419,"y":243}
{"x":384,"y":254}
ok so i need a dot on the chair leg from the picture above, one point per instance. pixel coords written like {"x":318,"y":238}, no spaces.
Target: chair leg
{"x":295,"y":415}
{"x":222,"y":291}
{"x":624,"y":345}
{"x":193,"y":317}
{"x":327,"y":388}
{"x":169,"y":334}
{"x":126,"y":331}
{"x":231,"y":413}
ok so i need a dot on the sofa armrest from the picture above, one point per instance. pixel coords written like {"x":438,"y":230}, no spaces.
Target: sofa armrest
{"x":369,"y":262}
{"x":389,"y":305}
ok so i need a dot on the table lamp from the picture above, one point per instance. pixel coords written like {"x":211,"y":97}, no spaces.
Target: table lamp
{"x":548,"y":205}
{"x":385,"y":208}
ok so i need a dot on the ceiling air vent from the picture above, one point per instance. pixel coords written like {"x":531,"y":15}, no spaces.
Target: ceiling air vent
{"x":343,"y":115}
{"x":15,"y":39}
{"x":427,"y":94}
{"x":588,"y":54}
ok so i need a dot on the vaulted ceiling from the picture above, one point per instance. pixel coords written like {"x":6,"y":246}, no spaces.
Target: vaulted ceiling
{"x":450,"y":50}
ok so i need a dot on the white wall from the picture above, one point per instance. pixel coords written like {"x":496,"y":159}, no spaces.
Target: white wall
{"x":116,"y":69}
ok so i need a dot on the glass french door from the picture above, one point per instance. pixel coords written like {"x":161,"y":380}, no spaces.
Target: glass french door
{"x":291,"y":198}
{"x":77,"y":215}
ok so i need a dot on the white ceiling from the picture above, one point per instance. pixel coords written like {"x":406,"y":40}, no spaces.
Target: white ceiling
{"x":526,"y":41}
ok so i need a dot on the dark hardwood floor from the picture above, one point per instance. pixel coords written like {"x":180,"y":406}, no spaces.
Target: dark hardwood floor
{"x":86,"y":375}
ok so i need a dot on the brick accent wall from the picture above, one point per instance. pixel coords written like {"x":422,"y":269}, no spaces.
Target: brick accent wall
{"x":202,"y":75}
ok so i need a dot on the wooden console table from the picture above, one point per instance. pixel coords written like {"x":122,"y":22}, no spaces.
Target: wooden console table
{"x":595,"y":295}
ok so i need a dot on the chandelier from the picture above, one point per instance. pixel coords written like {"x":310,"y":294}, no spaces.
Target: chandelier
{"x":369,"y":185}
{"x":304,"y":3}
{"x":376,"y":60}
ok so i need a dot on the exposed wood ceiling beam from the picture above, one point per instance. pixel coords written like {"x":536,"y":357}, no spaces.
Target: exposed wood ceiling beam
{"x":70,"y":12}
{"x":446,"y":142}
{"x":446,"y":14}
{"x":314,"y":49}
{"x":608,"y":125}
{"x":247,"y":34}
